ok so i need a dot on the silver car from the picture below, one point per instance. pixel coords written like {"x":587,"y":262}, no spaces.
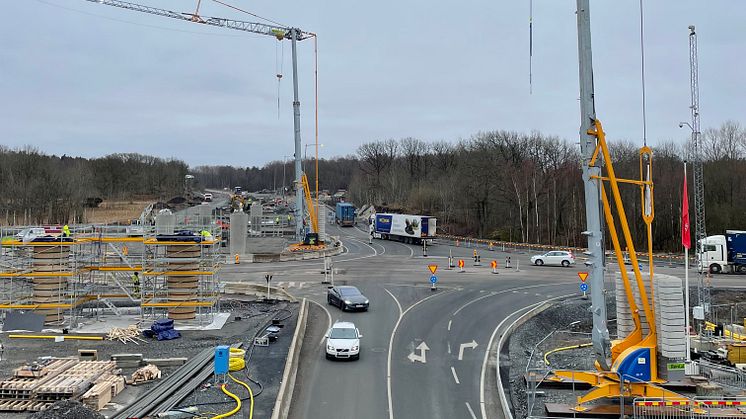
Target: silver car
{"x":343,"y":341}
{"x":554,"y":257}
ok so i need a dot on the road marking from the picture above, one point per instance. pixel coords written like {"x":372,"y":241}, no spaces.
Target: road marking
{"x":422,"y":357}
{"x":291,"y":284}
{"x":497,"y":367}
{"x":391,"y":345}
{"x":449,"y":325}
{"x":514,"y":290}
{"x":472,"y":345}
{"x":329,"y":318}
{"x":455,"y":377}
{"x":538,"y":295}
{"x":468,"y":406}
{"x":449,"y":348}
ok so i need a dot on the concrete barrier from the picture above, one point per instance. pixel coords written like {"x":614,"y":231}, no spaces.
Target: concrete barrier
{"x":285,"y":395}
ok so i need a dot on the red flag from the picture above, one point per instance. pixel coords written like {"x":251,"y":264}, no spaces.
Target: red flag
{"x":685,"y":230}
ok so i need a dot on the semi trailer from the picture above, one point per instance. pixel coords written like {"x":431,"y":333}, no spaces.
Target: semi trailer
{"x":406,"y":228}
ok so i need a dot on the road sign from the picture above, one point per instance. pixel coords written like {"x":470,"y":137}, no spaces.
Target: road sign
{"x":493,"y":264}
{"x":584,"y":287}
{"x":460,"y":263}
{"x":433,"y":279}
{"x":432,"y":268}
{"x":583,"y":276}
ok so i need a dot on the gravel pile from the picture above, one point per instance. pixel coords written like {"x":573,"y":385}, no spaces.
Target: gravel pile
{"x":66,"y":409}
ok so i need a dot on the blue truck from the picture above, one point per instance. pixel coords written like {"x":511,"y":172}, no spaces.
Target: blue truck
{"x":724,"y":253}
{"x":345,"y":214}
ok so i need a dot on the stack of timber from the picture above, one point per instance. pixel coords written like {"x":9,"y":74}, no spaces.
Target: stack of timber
{"x":36,"y":386}
{"x":124,"y":335}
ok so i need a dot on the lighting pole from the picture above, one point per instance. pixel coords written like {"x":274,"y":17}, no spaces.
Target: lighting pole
{"x":284,"y":163}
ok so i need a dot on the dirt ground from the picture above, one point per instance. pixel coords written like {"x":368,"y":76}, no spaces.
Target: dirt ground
{"x":115,"y":211}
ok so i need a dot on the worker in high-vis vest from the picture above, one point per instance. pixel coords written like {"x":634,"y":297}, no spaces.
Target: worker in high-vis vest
{"x":136,"y":284}
{"x":66,"y":231}
{"x":205,"y":235}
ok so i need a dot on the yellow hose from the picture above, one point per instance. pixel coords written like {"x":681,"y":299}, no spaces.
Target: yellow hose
{"x":235,"y":360}
{"x":565,"y":348}
{"x":234,"y":397}
{"x":251,"y":394}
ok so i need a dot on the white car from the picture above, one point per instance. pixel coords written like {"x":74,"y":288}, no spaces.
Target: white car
{"x":343,"y":341}
{"x":555,"y":257}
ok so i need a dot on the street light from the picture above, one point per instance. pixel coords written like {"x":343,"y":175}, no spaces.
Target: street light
{"x":681,"y":125}
{"x":305,"y":149}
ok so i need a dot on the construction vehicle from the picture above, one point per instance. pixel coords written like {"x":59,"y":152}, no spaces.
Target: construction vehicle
{"x":723,"y":253}
{"x":628,"y":366}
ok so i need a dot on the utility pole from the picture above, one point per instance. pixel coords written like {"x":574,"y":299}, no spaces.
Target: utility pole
{"x":592,"y":183}
{"x":700,"y":232}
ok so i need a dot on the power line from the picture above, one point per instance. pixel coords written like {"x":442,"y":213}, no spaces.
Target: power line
{"x":249,"y":13}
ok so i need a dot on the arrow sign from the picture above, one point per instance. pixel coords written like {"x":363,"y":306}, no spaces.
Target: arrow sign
{"x":471,"y":345}
{"x":422,"y":347}
{"x":433,"y":279}
{"x":460,"y":263}
{"x":583,"y":276}
{"x":432,"y":268}
{"x":583,"y":287}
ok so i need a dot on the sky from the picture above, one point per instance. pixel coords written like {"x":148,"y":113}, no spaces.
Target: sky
{"x":85,"y":79}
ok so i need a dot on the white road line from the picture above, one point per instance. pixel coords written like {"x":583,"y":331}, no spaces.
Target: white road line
{"x":291,"y":284}
{"x":449,"y":348}
{"x":468,"y":406}
{"x":391,"y":345}
{"x":329,"y":318}
{"x":449,"y":325}
{"x":514,"y":290}
{"x":483,"y":378}
{"x":455,"y":377}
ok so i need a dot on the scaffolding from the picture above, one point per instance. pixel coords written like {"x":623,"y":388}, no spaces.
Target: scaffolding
{"x":105,"y":269}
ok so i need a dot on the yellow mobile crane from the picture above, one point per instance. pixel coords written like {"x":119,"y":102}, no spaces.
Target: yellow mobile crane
{"x":625,"y":367}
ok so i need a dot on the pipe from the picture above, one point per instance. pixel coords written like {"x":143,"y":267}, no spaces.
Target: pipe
{"x":565,"y":348}
{"x":65,"y":337}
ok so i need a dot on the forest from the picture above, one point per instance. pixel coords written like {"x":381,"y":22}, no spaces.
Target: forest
{"x":500,"y":185}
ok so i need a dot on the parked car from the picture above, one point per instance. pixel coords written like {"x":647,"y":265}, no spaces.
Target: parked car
{"x":208,"y":197}
{"x":347,"y":297}
{"x":555,"y":257}
{"x":343,"y":341}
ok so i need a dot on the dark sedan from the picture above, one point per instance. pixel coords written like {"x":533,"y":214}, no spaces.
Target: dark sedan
{"x":347,"y":298}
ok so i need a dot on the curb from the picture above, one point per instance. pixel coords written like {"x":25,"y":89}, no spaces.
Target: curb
{"x":285,"y":394}
{"x":536,"y":310}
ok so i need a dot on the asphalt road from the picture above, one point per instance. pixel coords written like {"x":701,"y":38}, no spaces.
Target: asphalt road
{"x":424,"y":354}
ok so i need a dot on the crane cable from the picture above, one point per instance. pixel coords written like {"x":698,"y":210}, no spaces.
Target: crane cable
{"x":642,"y":72}
{"x":279,"y":61}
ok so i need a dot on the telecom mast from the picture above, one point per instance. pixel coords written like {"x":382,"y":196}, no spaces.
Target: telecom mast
{"x":700,"y":231}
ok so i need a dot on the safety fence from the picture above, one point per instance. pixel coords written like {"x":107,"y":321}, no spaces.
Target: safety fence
{"x":723,"y":375}
{"x":646,"y":408}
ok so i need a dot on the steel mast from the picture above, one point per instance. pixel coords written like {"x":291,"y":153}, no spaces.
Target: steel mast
{"x":592,"y":182}
{"x":277,"y":31}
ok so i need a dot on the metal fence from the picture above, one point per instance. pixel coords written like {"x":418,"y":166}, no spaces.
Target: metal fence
{"x":696,"y":408}
{"x":733,"y":378}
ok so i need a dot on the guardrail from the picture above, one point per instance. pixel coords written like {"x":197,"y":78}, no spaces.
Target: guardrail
{"x":648,"y":408}
{"x":726,"y":376}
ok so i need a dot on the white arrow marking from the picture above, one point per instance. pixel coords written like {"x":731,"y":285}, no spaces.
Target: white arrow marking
{"x":422,"y":347}
{"x":472,"y":345}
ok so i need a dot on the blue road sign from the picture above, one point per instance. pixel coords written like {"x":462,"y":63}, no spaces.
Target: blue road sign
{"x":583,"y":287}
{"x":433,"y":279}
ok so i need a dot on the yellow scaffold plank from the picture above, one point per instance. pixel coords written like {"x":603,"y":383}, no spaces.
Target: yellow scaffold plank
{"x":34,"y":274}
{"x":177,"y":273}
{"x":181,"y":304}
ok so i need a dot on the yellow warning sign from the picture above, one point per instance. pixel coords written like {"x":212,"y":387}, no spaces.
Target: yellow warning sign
{"x":432,"y":268}
{"x":583,"y":276}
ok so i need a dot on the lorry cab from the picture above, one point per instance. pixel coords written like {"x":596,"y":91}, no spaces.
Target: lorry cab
{"x":714,"y":254}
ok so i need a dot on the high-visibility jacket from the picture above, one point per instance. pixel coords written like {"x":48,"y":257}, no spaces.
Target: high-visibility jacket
{"x":205,"y":234}
{"x":65,"y":231}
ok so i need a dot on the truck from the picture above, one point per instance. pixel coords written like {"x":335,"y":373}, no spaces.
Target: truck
{"x":724,"y":253}
{"x":407,"y":228}
{"x":345,"y":214}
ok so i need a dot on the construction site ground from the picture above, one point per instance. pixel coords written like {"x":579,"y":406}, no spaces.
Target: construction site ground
{"x":560,"y":317}
{"x":265,"y":364}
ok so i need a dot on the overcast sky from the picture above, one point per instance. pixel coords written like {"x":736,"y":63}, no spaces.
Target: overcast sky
{"x":85,"y":79}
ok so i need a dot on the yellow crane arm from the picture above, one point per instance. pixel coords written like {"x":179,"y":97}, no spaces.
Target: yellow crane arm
{"x":309,"y":204}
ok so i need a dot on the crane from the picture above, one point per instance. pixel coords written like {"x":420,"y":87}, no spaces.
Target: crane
{"x":626,"y":366}
{"x":700,"y":232}
{"x":277,"y":31}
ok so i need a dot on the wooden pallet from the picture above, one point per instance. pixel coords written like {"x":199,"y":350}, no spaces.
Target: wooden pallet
{"x":21,"y":387}
{"x":22,"y":406}
{"x":75,"y":381}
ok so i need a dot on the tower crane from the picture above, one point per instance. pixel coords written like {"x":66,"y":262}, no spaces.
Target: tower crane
{"x":700,"y":232}
{"x":277,"y":31}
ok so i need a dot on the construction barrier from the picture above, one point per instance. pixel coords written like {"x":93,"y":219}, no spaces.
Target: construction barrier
{"x":695,"y":408}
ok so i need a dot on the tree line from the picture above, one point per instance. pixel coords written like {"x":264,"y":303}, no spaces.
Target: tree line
{"x":36,"y":188}
{"x":524,"y":187}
